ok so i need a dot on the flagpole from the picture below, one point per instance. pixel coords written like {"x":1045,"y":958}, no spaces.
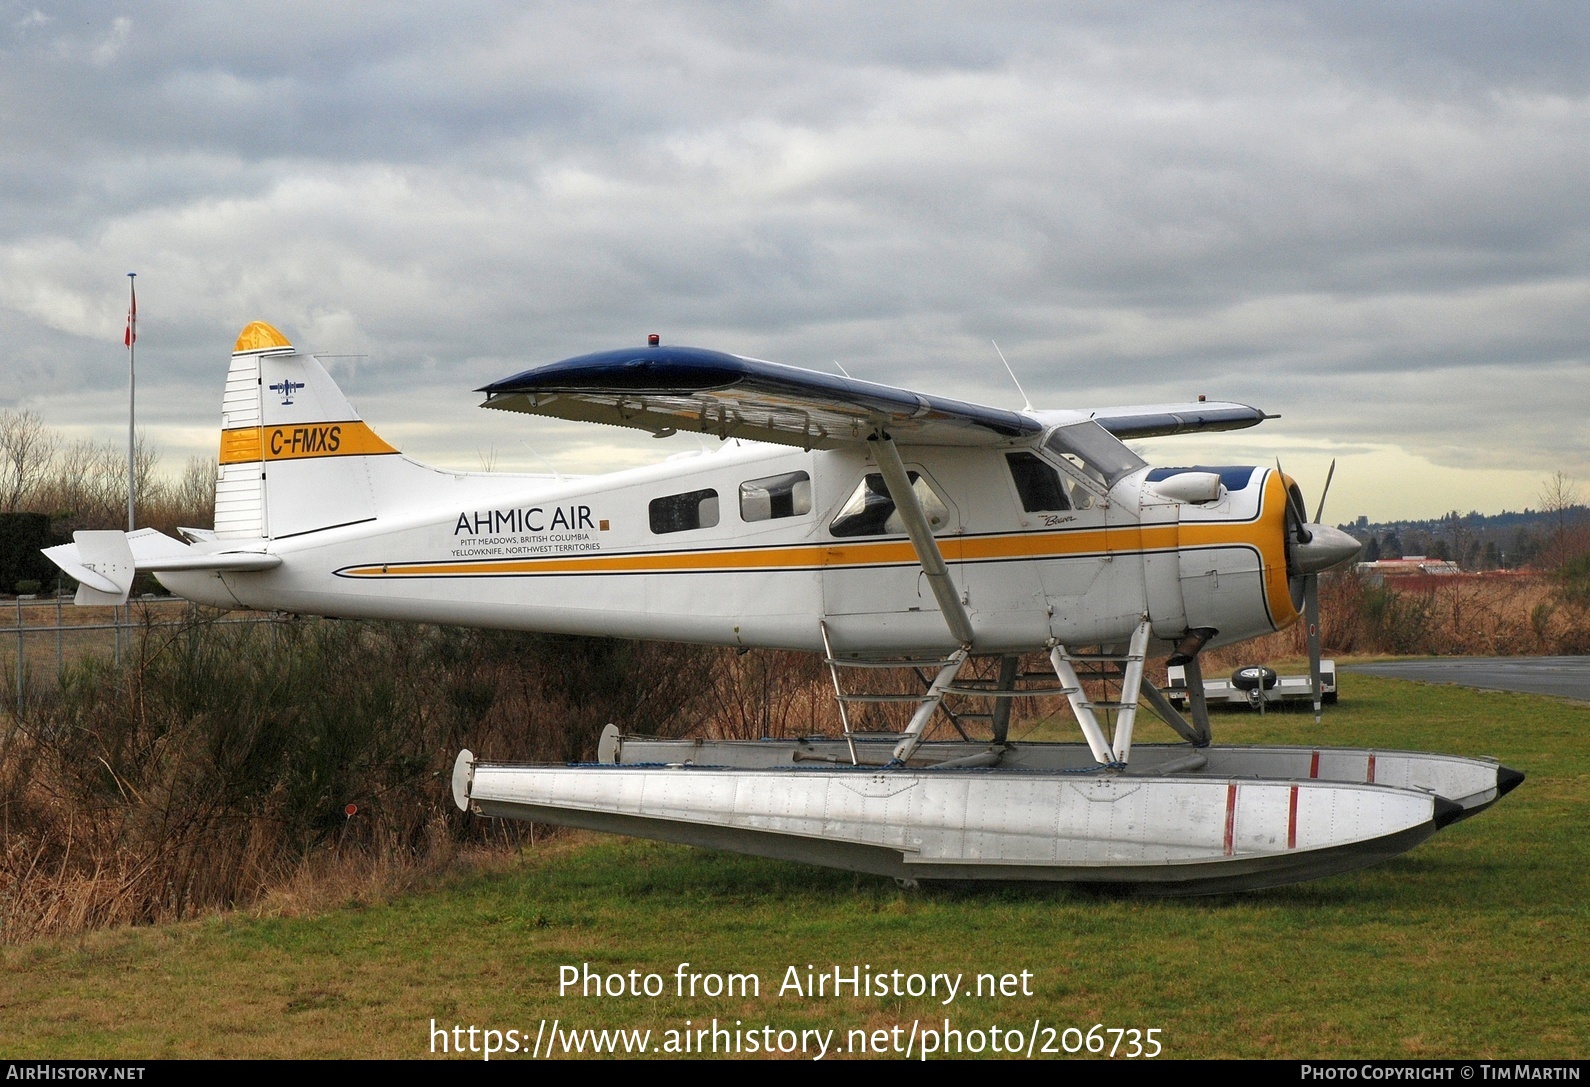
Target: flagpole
{"x":132,"y":383}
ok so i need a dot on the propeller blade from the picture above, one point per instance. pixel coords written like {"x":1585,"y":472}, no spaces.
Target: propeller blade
{"x":1319,"y":514}
{"x":1295,"y":505}
{"x":1311,"y":621}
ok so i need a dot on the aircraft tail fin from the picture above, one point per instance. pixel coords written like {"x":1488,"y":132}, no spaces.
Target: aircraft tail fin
{"x":294,"y":454}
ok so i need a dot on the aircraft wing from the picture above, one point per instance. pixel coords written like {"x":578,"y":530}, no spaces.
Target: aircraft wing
{"x":664,"y":389}
{"x":668,"y":389}
{"x":1158,"y":420}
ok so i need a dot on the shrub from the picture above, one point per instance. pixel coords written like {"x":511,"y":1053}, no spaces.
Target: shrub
{"x":220,"y":758}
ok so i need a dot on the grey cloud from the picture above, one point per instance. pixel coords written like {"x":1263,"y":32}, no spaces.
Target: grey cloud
{"x":1324,"y":208}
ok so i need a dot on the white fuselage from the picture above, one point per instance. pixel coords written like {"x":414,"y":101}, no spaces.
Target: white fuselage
{"x":632,"y":554}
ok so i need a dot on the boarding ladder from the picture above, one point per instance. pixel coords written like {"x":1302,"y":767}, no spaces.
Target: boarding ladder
{"x":943,"y":685}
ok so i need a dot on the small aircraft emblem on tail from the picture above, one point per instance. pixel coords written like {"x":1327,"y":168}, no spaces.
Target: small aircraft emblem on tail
{"x":287,"y":387}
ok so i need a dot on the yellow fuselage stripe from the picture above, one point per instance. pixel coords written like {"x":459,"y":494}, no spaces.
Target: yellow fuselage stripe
{"x":891,"y":553}
{"x":1265,"y":535}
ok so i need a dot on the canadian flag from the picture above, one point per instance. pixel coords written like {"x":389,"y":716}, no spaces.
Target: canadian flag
{"x":131,"y":336}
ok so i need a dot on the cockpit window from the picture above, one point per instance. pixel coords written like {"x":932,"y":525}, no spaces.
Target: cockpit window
{"x":1095,"y":450}
{"x":1037,"y":482}
{"x":870,"y":511}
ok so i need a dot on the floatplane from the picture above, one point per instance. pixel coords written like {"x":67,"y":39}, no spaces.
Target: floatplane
{"x":879,"y":527}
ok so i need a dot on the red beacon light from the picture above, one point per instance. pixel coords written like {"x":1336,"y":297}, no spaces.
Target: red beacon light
{"x":653,"y":340}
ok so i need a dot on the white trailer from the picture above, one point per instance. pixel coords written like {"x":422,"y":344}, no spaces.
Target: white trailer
{"x":1254,"y":686}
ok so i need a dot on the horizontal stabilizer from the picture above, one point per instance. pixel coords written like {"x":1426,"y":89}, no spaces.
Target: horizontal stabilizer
{"x":104,"y":562}
{"x":234,"y":561}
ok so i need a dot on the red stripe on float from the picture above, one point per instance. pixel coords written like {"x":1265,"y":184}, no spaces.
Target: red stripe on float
{"x":1231,"y":816}
{"x":1291,"y":820}
{"x":1371,"y":768}
{"x":1313,"y":766}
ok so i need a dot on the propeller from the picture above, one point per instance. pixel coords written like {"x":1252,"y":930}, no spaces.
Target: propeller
{"x":1319,"y":511}
{"x":1311,"y":625}
{"x":1315,"y":547}
{"x":1294,"y":503}
{"x":1311,"y":605}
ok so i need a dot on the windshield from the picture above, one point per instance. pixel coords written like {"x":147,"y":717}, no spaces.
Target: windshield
{"x":1095,"y":450}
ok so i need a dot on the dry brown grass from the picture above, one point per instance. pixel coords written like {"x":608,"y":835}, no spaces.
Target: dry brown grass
{"x":216,"y":765}
{"x":1499,"y":614}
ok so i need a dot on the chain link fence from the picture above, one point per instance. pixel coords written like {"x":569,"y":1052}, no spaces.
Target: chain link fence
{"x":41,"y":636}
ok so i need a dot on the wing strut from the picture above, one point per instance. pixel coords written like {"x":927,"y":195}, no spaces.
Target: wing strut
{"x":909,"y":507}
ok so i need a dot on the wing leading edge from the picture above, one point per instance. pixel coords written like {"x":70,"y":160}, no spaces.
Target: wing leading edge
{"x":668,"y":389}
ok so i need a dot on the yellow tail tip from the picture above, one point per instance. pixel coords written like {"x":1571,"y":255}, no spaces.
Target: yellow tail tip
{"x":259,"y":336}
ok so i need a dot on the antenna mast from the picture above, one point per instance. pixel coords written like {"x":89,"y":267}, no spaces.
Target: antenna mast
{"x":1026,"y":402}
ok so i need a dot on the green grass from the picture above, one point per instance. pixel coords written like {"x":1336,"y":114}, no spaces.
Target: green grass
{"x":1475,"y":944}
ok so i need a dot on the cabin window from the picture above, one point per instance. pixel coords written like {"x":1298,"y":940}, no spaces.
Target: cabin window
{"x":870,"y":511}
{"x":683,"y":512}
{"x":1037,"y":482}
{"x":1097,"y":452}
{"x":788,"y":495}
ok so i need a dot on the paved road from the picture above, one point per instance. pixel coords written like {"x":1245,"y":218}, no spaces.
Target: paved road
{"x":1564,"y":677}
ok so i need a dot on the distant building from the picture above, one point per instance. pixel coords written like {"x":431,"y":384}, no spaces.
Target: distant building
{"x":1378,"y":571}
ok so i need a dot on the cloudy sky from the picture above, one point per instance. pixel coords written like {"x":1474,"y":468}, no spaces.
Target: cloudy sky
{"x":1370,"y":218}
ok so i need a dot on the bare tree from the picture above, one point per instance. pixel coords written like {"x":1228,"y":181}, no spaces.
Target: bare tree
{"x":185,"y":502}
{"x":146,"y":461}
{"x":1465,"y":548}
{"x":195,"y":492}
{"x":83,"y":484}
{"x":27,"y":451}
{"x":1559,"y":497}
{"x":89,"y":484}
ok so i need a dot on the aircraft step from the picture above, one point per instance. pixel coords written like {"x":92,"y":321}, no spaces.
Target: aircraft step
{"x":1097,"y":674}
{"x":994,"y":692}
{"x":876,"y":662}
{"x":879,"y":697}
